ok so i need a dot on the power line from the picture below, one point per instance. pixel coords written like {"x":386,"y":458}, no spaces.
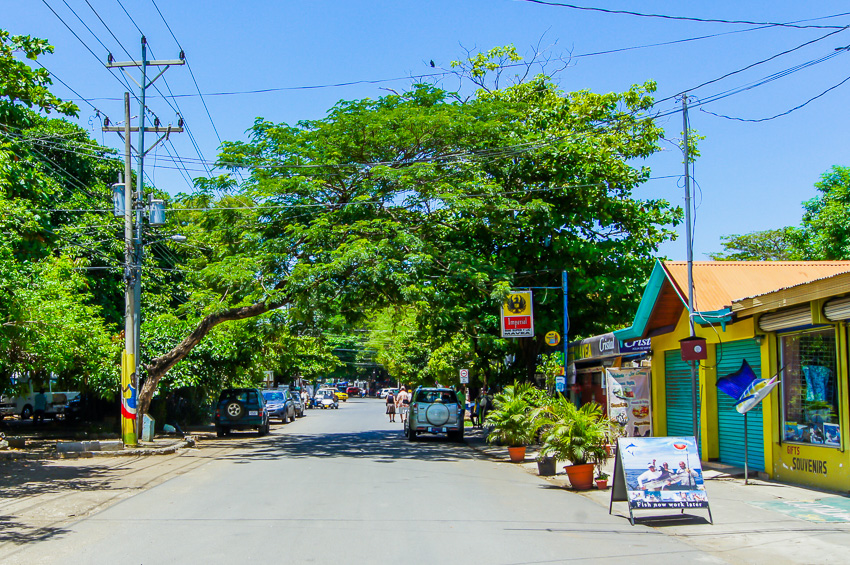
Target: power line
{"x":191,"y":73}
{"x":109,"y":30}
{"x":750,"y":66}
{"x":785,"y":113}
{"x":687,"y":18}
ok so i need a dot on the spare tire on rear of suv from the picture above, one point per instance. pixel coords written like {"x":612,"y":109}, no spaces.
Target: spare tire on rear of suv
{"x":437,"y":414}
{"x":234,"y":410}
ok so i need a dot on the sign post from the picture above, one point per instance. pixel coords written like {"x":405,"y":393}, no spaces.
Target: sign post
{"x":658,"y":473}
{"x":464,"y":376}
{"x":748,"y":391}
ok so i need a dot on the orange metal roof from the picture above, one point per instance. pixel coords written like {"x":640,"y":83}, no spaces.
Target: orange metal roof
{"x":718,"y":283}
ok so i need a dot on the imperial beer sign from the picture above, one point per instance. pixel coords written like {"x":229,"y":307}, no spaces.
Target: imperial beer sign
{"x":518,"y":315}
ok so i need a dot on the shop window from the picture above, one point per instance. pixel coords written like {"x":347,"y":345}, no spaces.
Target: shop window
{"x":810,"y":388}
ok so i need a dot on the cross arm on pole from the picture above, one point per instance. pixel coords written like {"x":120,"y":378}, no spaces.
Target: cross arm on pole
{"x":168,"y":129}
{"x":154,"y":63}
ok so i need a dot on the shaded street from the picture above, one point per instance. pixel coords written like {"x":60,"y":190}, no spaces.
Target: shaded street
{"x":346,"y":486}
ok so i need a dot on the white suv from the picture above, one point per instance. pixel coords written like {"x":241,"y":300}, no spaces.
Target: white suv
{"x":434,"y":411}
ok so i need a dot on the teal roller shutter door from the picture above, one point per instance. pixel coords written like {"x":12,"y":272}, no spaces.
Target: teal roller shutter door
{"x":730,"y":424}
{"x":677,"y":384}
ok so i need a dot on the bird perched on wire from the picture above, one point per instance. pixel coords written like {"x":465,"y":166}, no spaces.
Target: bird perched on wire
{"x":432,"y":64}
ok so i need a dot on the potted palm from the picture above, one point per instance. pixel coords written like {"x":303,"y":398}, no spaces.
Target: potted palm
{"x":577,"y":435}
{"x":511,"y":421}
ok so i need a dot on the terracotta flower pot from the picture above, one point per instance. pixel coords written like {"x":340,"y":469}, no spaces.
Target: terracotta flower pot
{"x":581,"y":476}
{"x":517,"y":454}
{"x":601,"y":484}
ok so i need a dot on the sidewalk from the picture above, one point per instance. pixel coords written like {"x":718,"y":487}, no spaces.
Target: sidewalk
{"x":39,"y":448}
{"x":763,"y":522}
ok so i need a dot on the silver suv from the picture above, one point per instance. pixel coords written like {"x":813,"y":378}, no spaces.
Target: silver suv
{"x":434,"y":411}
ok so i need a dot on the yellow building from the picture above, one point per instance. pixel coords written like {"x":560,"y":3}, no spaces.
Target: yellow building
{"x":785,"y":318}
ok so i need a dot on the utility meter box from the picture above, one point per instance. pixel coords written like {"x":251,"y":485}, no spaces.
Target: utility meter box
{"x":693,"y":349}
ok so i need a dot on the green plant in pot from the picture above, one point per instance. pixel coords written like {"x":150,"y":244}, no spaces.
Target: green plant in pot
{"x":601,"y":480}
{"x":577,"y":435}
{"x":511,"y":422}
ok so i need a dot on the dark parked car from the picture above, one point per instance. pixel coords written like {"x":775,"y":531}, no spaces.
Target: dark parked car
{"x":280,"y":404}
{"x":299,"y":404}
{"x":241,"y":409}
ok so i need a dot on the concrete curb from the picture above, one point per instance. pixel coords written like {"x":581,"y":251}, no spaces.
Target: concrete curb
{"x":183,"y":443}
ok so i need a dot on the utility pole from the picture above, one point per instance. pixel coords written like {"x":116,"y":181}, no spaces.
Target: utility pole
{"x":134,"y":202}
{"x":690,"y":250}
{"x":128,"y":358}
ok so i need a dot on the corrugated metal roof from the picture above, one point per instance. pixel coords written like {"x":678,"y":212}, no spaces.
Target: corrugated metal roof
{"x":718,"y":283}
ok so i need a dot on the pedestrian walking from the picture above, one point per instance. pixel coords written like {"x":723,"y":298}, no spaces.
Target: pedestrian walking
{"x":484,"y":405}
{"x":403,"y":403}
{"x":461,"y":401}
{"x":391,"y":405}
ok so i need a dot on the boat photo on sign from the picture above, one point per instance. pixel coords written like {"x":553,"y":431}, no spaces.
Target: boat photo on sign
{"x":662,"y":472}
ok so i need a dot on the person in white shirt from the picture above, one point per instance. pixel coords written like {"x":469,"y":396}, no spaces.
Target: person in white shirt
{"x":402,"y":403}
{"x":685,"y":478}
{"x":650,"y":474}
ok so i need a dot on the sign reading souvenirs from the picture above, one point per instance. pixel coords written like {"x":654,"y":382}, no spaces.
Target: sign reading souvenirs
{"x":628,"y":400}
{"x":658,"y":473}
{"x":517,"y":315}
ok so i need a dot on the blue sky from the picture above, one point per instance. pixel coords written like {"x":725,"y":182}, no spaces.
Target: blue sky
{"x":751,"y":176}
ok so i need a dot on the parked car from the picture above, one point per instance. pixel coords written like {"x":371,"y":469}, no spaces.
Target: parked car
{"x":434,"y":411}
{"x":280,"y":404}
{"x":353,"y":391}
{"x":326,"y":398}
{"x":385,"y":391}
{"x":241,"y":409}
{"x":299,"y":404}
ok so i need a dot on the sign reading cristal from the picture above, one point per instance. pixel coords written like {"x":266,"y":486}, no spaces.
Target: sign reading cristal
{"x":517,"y":315}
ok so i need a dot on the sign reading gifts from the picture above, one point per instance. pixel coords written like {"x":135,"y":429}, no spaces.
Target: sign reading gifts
{"x":629,"y":400}
{"x":518,"y":315}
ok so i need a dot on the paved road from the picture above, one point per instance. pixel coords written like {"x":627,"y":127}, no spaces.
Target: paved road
{"x":344,"y":486}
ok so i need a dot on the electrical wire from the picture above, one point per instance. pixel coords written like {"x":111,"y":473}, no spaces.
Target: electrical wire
{"x":686,"y":18}
{"x":750,"y":66}
{"x":785,"y":113}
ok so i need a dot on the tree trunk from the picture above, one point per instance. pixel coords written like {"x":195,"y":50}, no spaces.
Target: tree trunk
{"x":159,"y":366}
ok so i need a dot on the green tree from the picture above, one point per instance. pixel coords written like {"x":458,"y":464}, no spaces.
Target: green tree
{"x":826,"y":226}
{"x":443,"y":203}
{"x":768,"y":245}
{"x":51,"y":308}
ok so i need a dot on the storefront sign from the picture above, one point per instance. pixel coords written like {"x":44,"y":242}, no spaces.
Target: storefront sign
{"x":658,"y":473}
{"x":607,"y":345}
{"x":629,"y":400}
{"x":637,"y":346}
{"x":518,"y":315}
